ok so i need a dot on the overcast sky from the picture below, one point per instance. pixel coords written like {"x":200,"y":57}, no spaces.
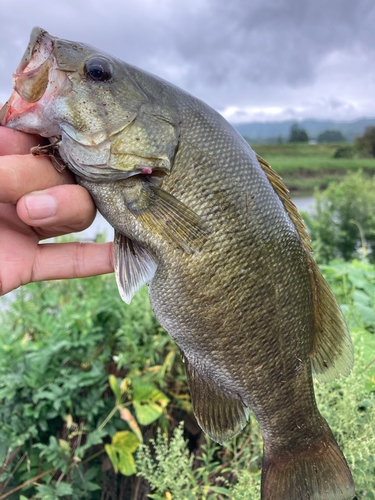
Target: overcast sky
{"x":253,"y":60}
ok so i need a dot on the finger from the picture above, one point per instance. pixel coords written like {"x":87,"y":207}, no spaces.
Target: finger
{"x":57,"y":210}
{"x":23,"y":174}
{"x":13,"y":142}
{"x":72,"y":260}
{"x":54,"y":261}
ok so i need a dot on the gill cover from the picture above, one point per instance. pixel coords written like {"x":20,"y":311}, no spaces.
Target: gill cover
{"x":109,"y":121}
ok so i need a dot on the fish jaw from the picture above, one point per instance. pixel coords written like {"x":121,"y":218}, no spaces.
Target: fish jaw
{"x":37,"y":82}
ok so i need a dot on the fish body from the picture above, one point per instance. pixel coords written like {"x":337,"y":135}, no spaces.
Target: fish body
{"x":210,"y":228}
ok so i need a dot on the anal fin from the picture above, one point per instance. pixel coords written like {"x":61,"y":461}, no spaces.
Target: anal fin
{"x":332,"y":353}
{"x":219,"y":416}
{"x":134,"y":266}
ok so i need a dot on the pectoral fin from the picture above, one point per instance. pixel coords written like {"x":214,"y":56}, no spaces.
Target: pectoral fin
{"x":169,"y":218}
{"x":134,"y":266}
{"x":219,"y":416}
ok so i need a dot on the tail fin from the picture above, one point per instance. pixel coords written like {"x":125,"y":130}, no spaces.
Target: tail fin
{"x":318,"y":472}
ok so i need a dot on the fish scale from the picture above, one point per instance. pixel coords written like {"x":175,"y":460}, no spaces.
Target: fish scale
{"x":213,"y":232}
{"x":230,"y":158}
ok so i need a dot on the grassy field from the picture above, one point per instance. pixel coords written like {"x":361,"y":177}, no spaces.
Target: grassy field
{"x":305,"y":167}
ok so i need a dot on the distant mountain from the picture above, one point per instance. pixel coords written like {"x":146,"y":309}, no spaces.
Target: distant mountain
{"x":270,"y":131}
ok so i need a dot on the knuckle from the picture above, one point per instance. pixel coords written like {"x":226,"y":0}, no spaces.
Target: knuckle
{"x":76,"y":208}
{"x":82,"y":221}
{"x":79,"y":260}
{"x":36,"y":267}
{"x":11,"y":185}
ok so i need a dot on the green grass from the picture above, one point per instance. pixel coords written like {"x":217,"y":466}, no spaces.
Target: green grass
{"x":305,"y":167}
{"x":295,"y":149}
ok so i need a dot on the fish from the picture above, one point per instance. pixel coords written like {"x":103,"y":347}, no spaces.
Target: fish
{"x":211,"y":229}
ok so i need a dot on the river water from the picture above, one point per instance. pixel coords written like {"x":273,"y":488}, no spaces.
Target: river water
{"x":306,"y":203}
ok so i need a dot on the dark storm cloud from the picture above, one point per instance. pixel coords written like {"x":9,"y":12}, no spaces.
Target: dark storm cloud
{"x":274,"y":42}
{"x":289,"y":54}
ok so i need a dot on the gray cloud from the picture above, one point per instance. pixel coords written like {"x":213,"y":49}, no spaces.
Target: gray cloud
{"x":262,"y":59}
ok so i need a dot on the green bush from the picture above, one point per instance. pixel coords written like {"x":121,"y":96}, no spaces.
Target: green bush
{"x":365,"y":145}
{"x":344,"y":152}
{"x":85,"y":379}
{"x":343,"y":224}
{"x":171,"y":469}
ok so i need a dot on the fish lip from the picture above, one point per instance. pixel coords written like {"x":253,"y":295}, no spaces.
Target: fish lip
{"x":40,"y":43}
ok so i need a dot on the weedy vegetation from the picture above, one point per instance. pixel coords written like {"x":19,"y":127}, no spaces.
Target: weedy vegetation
{"x":343,"y":222}
{"x":95,"y":403}
{"x":93,"y":395}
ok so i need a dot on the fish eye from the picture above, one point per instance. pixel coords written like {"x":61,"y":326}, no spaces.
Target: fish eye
{"x":98,"y":69}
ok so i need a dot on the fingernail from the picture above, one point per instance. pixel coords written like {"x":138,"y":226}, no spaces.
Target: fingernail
{"x":40,"y":206}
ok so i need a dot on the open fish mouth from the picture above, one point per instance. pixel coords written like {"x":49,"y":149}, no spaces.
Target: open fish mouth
{"x":36,"y":83}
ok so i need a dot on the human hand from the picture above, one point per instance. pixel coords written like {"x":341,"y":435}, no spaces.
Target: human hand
{"x":37,"y":202}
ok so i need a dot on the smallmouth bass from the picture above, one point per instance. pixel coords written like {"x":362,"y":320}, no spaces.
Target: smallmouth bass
{"x":211,"y":229}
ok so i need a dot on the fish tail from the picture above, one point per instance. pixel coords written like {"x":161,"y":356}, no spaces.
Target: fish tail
{"x":316,"y":472}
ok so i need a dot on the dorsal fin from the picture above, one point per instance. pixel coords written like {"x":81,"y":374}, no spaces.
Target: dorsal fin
{"x":283,"y":194}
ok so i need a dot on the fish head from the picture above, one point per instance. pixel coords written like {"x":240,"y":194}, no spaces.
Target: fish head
{"x":88,"y":100}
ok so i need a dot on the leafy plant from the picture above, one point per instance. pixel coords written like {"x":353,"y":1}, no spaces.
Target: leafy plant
{"x":171,"y":471}
{"x":120,"y":451}
{"x":343,"y":224}
{"x":85,"y":379}
{"x":63,"y":347}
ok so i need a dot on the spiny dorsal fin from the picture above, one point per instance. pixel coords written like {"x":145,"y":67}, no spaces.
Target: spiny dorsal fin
{"x":283,"y":194}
